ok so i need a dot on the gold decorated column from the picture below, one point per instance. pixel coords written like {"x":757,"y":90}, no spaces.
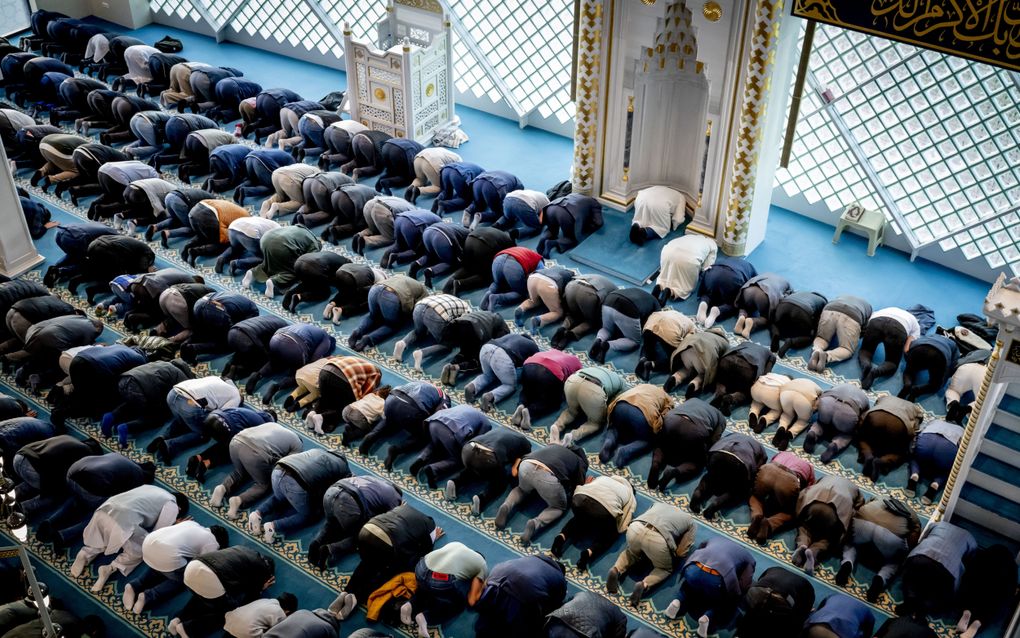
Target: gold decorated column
{"x":587,"y":93}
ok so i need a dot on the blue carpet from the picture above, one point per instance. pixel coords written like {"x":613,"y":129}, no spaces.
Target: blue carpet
{"x":542,"y":159}
{"x":640,"y":263}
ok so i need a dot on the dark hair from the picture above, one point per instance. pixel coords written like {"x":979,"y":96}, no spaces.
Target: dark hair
{"x":182,"y":504}
{"x":220,"y":534}
{"x":149,"y":469}
{"x":93,"y":625}
{"x":288,"y":602}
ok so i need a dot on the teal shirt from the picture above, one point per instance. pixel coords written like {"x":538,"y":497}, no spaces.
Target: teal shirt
{"x":611,"y":382}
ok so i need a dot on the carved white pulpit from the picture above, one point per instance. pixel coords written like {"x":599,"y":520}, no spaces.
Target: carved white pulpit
{"x":403,"y":83}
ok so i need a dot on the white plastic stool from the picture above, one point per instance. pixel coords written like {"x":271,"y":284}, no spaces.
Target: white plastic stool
{"x":870,"y":222}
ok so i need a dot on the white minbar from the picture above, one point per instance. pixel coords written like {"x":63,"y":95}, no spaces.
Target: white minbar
{"x":17,"y":251}
{"x":403,"y":84}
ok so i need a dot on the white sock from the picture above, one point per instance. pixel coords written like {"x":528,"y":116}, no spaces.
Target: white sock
{"x":254,"y":522}
{"x":964,"y":622}
{"x":423,"y":626}
{"x":173,"y":626}
{"x":350,"y":602}
{"x":128,"y":597}
{"x":702,"y":312}
{"x":270,"y":286}
{"x":465,"y":220}
{"x":103,"y":575}
{"x":554,"y":434}
{"x":79,"y":565}
{"x":233,"y":507}
{"x":972,"y":631}
{"x":703,"y":626}
{"x":406,"y":614}
{"x":673,"y":610}
{"x":336,"y":314}
{"x":398,"y":350}
{"x":328,"y":312}
{"x":568,"y":438}
{"x":713,"y":314}
{"x":269,"y":532}
{"x":417,"y":356}
{"x":316,"y":421}
{"x":139,"y":604}
{"x":249,"y":277}
{"x":217,"y":496}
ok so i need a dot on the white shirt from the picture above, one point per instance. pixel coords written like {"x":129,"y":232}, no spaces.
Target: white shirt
{"x":907,"y":320}
{"x":129,"y":515}
{"x":534,"y":199}
{"x":217,"y":392}
{"x":659,"y":208}
{"x":254,"y":227}
{"x":351,"y":126}
{"x":202,"y":580}
{"x":254,"y":619}
{"x":170,"y":548}
{"x":438,"y":157}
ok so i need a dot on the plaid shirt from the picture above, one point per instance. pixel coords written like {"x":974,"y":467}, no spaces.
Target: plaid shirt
{"x":362,"y":375}
{"x":447,"y":307}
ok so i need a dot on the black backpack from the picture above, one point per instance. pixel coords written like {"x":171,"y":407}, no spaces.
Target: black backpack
{"x":169,"y":45}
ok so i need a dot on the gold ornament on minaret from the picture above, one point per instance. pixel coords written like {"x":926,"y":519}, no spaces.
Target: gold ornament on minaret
{"x":712,"y":11}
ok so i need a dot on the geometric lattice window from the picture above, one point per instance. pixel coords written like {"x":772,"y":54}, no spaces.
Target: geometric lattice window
{"x":181,"y":8}
{"x":285,"y":21}
{"x":941,"y":133}
{"x":528,"y":43}
{"x":362,"y":16}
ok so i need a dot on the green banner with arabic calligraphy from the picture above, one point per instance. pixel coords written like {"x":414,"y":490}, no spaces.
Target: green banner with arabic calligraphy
{"x":983,"y":30}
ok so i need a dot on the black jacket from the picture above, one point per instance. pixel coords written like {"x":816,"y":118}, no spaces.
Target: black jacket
{"x":52,"y":457}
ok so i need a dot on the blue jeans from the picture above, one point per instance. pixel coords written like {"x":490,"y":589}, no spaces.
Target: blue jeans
{"x":29,"y":496}
{"x":622,"y":333}
{"x":158,"y":586}
{"x":439,"y":252}
{"x":383,"y":319}
{"x":442,"y":454}
{"x":933,"y":457}
{"x":288,"y":493}
{"x":186,"y":429}
{"x":627,"y":436}
{"x":439,"y":596}
{"x":245,"y":251}
{"x":516,"y":211}
{"x":509,"y":283}
{"x":497,"y":370}
{"x":705,"y":592}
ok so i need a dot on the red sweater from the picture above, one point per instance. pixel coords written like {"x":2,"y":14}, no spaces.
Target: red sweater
{"x":526,"y":257}
{"x":562,"y":364}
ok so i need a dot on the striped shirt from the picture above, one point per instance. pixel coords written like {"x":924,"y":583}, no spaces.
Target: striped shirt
{"x":362,"y":375}
{"x":447,"y":307}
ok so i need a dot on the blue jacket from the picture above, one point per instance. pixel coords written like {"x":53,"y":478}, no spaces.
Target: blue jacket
{"x":108,"y":474}
{"x":301,"y":343}
{"x":420,"y":217}
{"x":221,"y":310}
{"x":529,"y":581}
{"x":426,"y":396}
{"x":947,"y":545}
{"x":518,"y":346}
{"x":410,"y":149}
{"x":847,"y":617}
{"x":240,"y":418}
{"x":503,"y":182}
{"x":376,"y":495}
{"x":733,"y":562}
{"x":943,"y":344}
{"x":464,"y":421}
{"x":231,"y":156}
{"x":466,"y":170}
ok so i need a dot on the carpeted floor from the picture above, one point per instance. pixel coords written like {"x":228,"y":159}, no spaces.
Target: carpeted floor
{"x":541,"y":159}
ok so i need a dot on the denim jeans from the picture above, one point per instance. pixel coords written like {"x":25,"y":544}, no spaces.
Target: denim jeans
{"x":497,"y":370}
{"x":288,"y":493}
{"x":888,"y":545}
{"x":509,"y":283}
{"x":627,"y":436}
{"x":245,"y":251}
{"x":158,"y":586}
{"x":383,"y":318}
{"x":704,"y":591}
{"x":439,"y":596}
{"x":933,"y":457}
{"x":186,"y":429}
{"x":622,"y":333}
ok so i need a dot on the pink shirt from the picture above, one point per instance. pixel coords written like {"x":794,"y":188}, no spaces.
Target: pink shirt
{"x":797,"y":465}
{"x":562,"y":364}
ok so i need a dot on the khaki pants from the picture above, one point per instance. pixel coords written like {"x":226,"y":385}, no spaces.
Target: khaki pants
{"x":645,"y":541}
{"x":846,"y":331}
{"x":425,"y":173}
{"x":543,"y":291}
{"x":586,"y":398}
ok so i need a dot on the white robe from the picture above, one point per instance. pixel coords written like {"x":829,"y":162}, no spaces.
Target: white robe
{"x":659,"y":208}
{"x":681,"y":263}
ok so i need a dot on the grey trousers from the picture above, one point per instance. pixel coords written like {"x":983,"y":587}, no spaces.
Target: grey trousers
{"x":533,"y":478}
{"x":251,"y":465}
